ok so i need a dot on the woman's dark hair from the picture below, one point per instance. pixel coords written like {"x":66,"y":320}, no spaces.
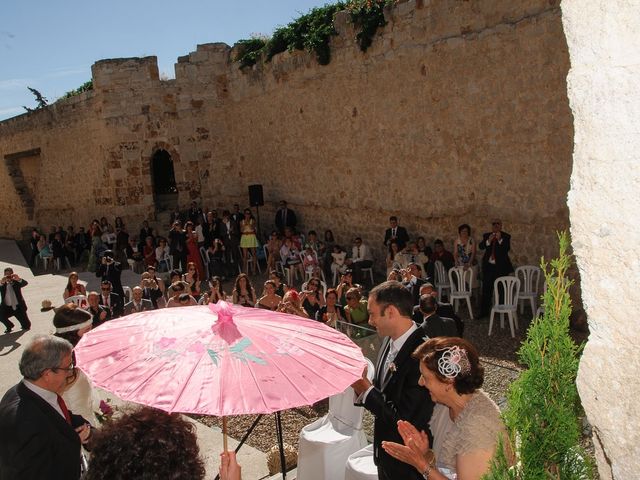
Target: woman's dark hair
{"x":146,"y":443}
{"x":432,"y":350}
{"x":189,"y":224}
{"x":332,"y":291}
{"x":67,"y":315}
{"x":119,"y":222}
{"x":462,"y":227}
{"x":196,"y":275}
{"x":393,"y":255}
{"x":68,"y":288}
{"x":236,"y":286}
{"x":275,"y":273}
{"x":328,"y":236}
{"x":219,"y":289}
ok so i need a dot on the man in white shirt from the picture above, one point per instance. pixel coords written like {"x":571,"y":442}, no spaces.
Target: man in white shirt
{"x":137,"y":303}
{"x":395,"y":393}
{"x":360,"y":258}
{"x":39,"y":437}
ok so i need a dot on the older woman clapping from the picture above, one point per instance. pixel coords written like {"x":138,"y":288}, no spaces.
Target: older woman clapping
{"x":465,"y":424}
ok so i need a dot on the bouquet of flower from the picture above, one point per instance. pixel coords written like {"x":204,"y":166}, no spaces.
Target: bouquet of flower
{"x":105,"y":412}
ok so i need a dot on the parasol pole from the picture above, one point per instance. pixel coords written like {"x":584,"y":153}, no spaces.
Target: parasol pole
{"x":224,"y":434}
{"x":283,"y":462}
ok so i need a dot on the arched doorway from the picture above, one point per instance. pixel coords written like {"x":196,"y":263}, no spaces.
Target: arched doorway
{"x":165,"y":192}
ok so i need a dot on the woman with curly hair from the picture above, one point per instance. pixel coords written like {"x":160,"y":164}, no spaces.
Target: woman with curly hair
{"x":243,"y":292}
{"x":146,"y":443}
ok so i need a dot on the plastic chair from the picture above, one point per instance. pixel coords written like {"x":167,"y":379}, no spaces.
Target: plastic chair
{"x":58,"y":265}
{"x":204,"y":254}
{"x":368,"y":270}
{"x":79,"y":300}
{"x":510,"y":286}
{"x":127,"y":294}
{"x":529,"y":276}
{"x":460,"y":281}
{"x":442,"y":281}
{"x":325,"y":445}
{"x":360,"y":465}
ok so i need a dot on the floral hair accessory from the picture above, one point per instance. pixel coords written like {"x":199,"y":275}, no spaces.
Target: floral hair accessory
{"x":453,"y":362}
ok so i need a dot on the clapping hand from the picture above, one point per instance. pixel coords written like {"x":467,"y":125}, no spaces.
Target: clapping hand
{"x":416,"y":445}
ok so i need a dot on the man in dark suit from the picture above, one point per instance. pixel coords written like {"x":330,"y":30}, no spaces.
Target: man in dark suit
{"x":229,"y":233}
{"x":111,"y":271}
{"x":211,"y":228}
{"x":444,"y":310}
{"x":178,"y":246}
{"x":111,"y":300}
{"x":495,"y":262}
{"x":99,"y":313}
{"x":13,"y":304}
{"x":137,"y":303}
{"x":395,"y":393}
{"x":413,"y":281}
{"x":39,"y":437}
{"x":433,"y":324}
{"x":285,"y":217}
{"x":396,"y":233}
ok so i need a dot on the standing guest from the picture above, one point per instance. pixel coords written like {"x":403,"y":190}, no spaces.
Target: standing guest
{"x":194,"y":213}
{"x":312,"y":298}
{"x":39,"y":436}
{"x":346,"y":283}
{"x":83,"y":242}
{"x":178,"y":245}
{"x":229,"y":233}
{"x":97,"y":246}
{"x":464,"y":248}
{"x":495,"y":262}
{"x":270,"y":299}
{"x":285,"y":217}
{"x":158,"y":281}
{"x":215,"y":253}
{"x":137,"y":303}
{"x":236,"y":216}
{"x":145,"y":231}
{"x":99,"y":313}
{"x":122,"y":237}
{"x":60,"y":253}
{"x":211,"y":227}
{"x":413,"y":281}
{"x":397,"y":233}
{"x":273,"y":250}
{"x":33,"y":242}
{"x":193,"y":251}
{"x":13,"y":304}
{"x":444,"y":310}
{"x":395,"y":394}
{"x":332,"y":311}
{"x":243,"y":292}
{"x":466,"y":423}
{"x":199,"y":232}
{"x":151,"y":289}
{"x":248,"y":241}
{"x":163,"y":256}
{"x":193,"y":279}
{"x":176,"y":216}
{"x":73,"y":288}
{"x":109,"y":237}
{"x":111,"y":271}
{"x":111,"y":300}
{"x":360,"y":258}
{"x":292,"y":304}
{"x":149,"y":253}
{"x":433,"y":324}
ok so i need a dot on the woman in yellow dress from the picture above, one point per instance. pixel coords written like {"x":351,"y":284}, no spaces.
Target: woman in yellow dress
{"x":248,"y":240}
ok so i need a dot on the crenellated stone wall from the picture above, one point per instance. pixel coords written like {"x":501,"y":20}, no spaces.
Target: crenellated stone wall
{"x":457,"y":113}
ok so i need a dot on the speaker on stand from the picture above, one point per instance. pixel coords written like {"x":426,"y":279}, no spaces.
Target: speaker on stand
{"x":256,"y":199}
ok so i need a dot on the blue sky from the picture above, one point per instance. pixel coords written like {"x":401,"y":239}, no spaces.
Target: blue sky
{"x":51,"y":46}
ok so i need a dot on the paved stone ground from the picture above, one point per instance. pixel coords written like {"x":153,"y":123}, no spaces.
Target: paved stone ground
{"x":51,"y":286}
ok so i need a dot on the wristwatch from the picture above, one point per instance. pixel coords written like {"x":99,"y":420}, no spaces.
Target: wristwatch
{"x":430,"y":457}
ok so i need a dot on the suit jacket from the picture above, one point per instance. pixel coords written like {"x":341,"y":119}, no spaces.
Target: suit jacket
{"x":415,"y":290}
{"x":17,"y":289}
{"x":96,"y":322}
{"x":111,"y":272}
{"x":144,"y":305}
{"x":117,"y":304}
{"x":398,"y":397}
{"x":291,"y":220}
{"x":230,"y":236}
{"x":152,"y":294}
{"x":502,"y":264}
{"x":402,"y":237}
{"x":36,"y":442}
{"x":437,"y":326}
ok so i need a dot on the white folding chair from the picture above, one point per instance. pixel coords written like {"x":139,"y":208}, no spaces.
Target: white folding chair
{"x":529,"y":276}
{"x":368,"y":270}
{"x":204,"y":254}
{"x":325,"y":445}
{"x":460,"y":281}
{"x":59,"y":265}
{"x":442,"y":281}
{"x":510,"y":286}
{"x":360,"y":465}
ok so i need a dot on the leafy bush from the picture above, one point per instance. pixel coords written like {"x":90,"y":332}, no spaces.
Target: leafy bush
{"x":250,"y":50}
{"x":85,"y":87}
{"x":367,"y":16}
{"x":542,"y":416}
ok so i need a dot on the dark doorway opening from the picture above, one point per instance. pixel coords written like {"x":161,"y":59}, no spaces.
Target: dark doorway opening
{"x":165,"y":192}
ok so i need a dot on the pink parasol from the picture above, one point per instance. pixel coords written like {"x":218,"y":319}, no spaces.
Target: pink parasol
{"x":219,"y":359}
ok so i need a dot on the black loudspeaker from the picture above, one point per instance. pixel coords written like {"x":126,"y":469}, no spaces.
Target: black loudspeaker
{"x":255,"y":196}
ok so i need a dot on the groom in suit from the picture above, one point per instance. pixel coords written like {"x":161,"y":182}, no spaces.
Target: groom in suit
{"x":39,"y":437}
{"x":395,"y":394}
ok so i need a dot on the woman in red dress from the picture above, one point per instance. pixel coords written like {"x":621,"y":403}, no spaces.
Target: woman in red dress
{"x":193,"y":251}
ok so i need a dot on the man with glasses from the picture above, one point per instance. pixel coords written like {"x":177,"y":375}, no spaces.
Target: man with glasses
{"x":111,"y":300}
{"x":39,"y":437}
{"x":495,"y":262}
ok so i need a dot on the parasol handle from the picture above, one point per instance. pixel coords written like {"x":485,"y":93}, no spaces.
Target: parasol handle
{"x":224,"y":434}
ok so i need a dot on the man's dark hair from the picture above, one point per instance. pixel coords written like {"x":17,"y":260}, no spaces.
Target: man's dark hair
{"x":393,"y":293}
{"x":106,"y":282}
{"x":438,"y":242}
{"x":184,"y":297}
{"x":393,"y":218}
{"x":414,"y":264}
{"x":428,"y":303}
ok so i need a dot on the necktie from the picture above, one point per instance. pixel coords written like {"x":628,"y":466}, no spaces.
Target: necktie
{"x":393,"y":232}
{"x":358,"y":253}
{"x":65,"y":410}
{"x":386,"y":367}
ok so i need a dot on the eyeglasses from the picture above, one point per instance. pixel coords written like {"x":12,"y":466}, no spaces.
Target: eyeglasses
{"x":70,"y":368}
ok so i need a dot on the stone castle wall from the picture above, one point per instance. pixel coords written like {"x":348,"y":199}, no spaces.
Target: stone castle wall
{"x":457,"y":113}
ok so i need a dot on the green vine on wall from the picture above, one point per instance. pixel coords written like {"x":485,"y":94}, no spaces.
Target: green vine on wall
{"x":85,"y":87}
{"x":312,"y":32}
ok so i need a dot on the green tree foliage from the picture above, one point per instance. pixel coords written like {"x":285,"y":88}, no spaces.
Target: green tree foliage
{"x":42,"y":101}
{"x":543,"y":412}
{"x":367,"y":16}
{"x":85,"y":87}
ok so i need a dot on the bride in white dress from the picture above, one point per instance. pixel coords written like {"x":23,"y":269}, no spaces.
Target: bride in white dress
{"x":71,"y":323}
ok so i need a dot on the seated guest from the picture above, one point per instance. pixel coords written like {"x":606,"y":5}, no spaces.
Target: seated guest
{"x":73,"y":288}
{"x":163,"y":256}
{"x":70,"y":245}
{"x":281,"y":287}
{"x":412,"y":280}
{"x":273,"y":250}
{"x":356,"y":308}
{"x":329,"y":242}
{"x":292,"y":304}
{"x":159,"y":282}
{"x":111,"y":300}
{"x":109,"y":237}
{"x":433,"y":324}
{"x":179,"y":296}
{"x":60,"y":253}
{"x":149,"y":253}
{"x":313,"y":242}
{"x":137,"y":303}
{"x":99,"y":313}
{"x":346,"y":283}
{"x":215,"y":293}
{"x":309,"y":260}
{"x":443,"y":255}
{"x":147,"y":443}
{"x":338,"y":264}
{"x":360,"y":258}
{"x":332,"y":311}
{"x":151,"y":290}
{"x":312,"y":297}
{"x":290,"y":256}
{"x":466,"y":423}
{"x":444,"y":309}
{"x":270,"y":299}
{"x":295,"y":239}
{"x":243,"y":292}
{"x":392,"y":263}
{"x":395,"y":275}
{"x":135,"y":257}
{"x":192,"y":277}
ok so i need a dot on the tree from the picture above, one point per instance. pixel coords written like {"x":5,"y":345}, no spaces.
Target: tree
{"x":42,"y":101}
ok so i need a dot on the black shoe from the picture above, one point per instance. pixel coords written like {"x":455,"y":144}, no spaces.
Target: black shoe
{"x":26,"y":328}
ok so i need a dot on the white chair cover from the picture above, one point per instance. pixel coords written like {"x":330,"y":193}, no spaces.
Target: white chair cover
{"x":360,"y":465}
{"x":325,"y":445}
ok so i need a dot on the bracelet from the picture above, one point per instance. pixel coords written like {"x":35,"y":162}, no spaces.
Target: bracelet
{"x":426,"y":472}
{"x":430,"y":457}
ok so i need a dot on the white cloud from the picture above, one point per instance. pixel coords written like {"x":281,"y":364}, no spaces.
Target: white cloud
{"x":14,"y":83}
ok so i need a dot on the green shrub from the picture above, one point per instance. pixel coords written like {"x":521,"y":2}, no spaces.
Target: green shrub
{"x":85,"y":87}
{"x":543,"y":412}
{"x":367,"y":16}
{"x":250,"y":50}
